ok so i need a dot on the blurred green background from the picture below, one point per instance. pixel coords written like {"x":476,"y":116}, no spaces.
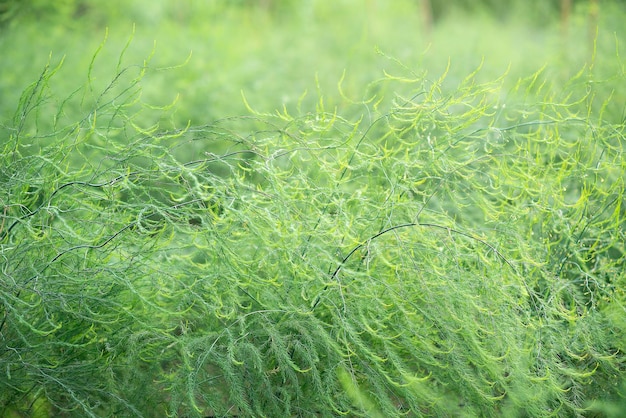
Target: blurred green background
{"x":276,"y":50}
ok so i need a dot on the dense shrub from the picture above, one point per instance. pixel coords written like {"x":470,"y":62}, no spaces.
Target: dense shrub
{"x":441,"y":253}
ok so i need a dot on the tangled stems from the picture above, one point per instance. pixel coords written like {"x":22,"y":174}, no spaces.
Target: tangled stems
{"x":450,"y":255}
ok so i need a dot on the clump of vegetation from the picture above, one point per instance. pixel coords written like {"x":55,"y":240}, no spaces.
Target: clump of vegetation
{"x":422,"y":240}
{"x":440,"y":253}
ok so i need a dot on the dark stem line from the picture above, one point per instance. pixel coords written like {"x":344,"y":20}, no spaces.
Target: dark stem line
{"x":409,"y":225}
{"x":55,"y":258}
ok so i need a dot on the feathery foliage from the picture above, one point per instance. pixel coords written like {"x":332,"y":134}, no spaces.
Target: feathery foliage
{"x":444,"y":252}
